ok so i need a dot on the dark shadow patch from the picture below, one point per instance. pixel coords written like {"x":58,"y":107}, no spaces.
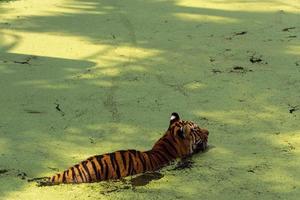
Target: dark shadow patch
{"x":33,"y":111}
{"x":3,"y":171}
{"x":239,"y":69}
{"x":92,"y":140}
{"x":236,"y":34}
{"x":6,"y":1}
{"x":257,"y":59}
{"x":288,"y":29}
{"x":293,"y":109}
{"x":38,"y":179}
{"x":26,"y":61}
{"x":216,"y":71}
{"x":241,"y":33}
{"x":288,"y":148}
{"x":57,"y":107}
{"x":146,"y":178}
{"x":114,"y":186}
{"x":22,"y":175}
{"x":22,"y":62}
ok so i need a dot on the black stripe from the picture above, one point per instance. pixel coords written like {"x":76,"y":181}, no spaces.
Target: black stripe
{"x":112,"y":158}
{"x":98,"y":158}
{"x":77,"y":167}
{"x":153,"y":162}
{"x":53,"y":179}
{"x":130,"y":164}
{"x":166,"y":150}
{"x":160,"y":159}
{"x":167,"y":155}
{"x":171,"y":145}
{"x":133,"y":166}
{"x":133,"y":153}
{"x":106,"y":170}
{"x":95,"y":170}
{"x":162,"y":155}
{"x":118,"y":169}
{"x":123,"y":159}
{"x":58,"y":176}
{"x":84,"y":163}
{"x":140,"y":156}
{"x":64,"y":177}
{"x":116,"y":165}
{"x":150,"y":161}
{"x":84,"y":173}
{"x":74,"y":175}
{"x":174,"y":141}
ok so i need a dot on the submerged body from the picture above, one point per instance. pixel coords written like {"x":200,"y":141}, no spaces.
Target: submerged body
{"x":182,"y":139}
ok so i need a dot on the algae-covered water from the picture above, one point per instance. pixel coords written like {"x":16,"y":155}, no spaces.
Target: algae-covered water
{"x":79,"y":78}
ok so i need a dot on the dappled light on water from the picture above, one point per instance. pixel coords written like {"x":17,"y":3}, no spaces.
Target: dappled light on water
{"x":205,"y":18}
{"x":79,"y":78}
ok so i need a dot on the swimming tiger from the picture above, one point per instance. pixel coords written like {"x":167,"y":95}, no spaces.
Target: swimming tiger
{"x":182,"y":139}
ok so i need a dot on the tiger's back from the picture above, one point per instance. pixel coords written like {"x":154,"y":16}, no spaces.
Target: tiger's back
{"x":107,"y":166}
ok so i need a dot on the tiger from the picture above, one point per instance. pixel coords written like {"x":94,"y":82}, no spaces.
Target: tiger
{"x":181,"y":140}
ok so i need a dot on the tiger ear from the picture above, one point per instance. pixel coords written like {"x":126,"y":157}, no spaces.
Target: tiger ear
{"x":174,"y":118}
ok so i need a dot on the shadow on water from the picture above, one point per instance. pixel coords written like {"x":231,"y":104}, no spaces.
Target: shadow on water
{"x":232,"y":71}
{"x":18,"y":145}
{"x":145,"y":179}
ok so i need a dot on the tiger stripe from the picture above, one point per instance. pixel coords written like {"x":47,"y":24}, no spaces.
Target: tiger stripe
{"x":79,"y":174}
{"x":96,"y":172}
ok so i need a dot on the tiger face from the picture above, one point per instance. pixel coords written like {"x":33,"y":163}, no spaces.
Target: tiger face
{"x":190,"y":138}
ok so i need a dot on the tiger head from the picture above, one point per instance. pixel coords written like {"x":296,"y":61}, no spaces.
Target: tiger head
{"x":189,"y":135}
{"x":183,"y":137}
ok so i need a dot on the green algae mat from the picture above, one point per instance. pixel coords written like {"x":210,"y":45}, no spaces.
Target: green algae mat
{"x":79,"y":78}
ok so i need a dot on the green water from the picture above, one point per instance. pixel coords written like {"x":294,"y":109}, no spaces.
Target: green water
{"x":79,"y":78}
